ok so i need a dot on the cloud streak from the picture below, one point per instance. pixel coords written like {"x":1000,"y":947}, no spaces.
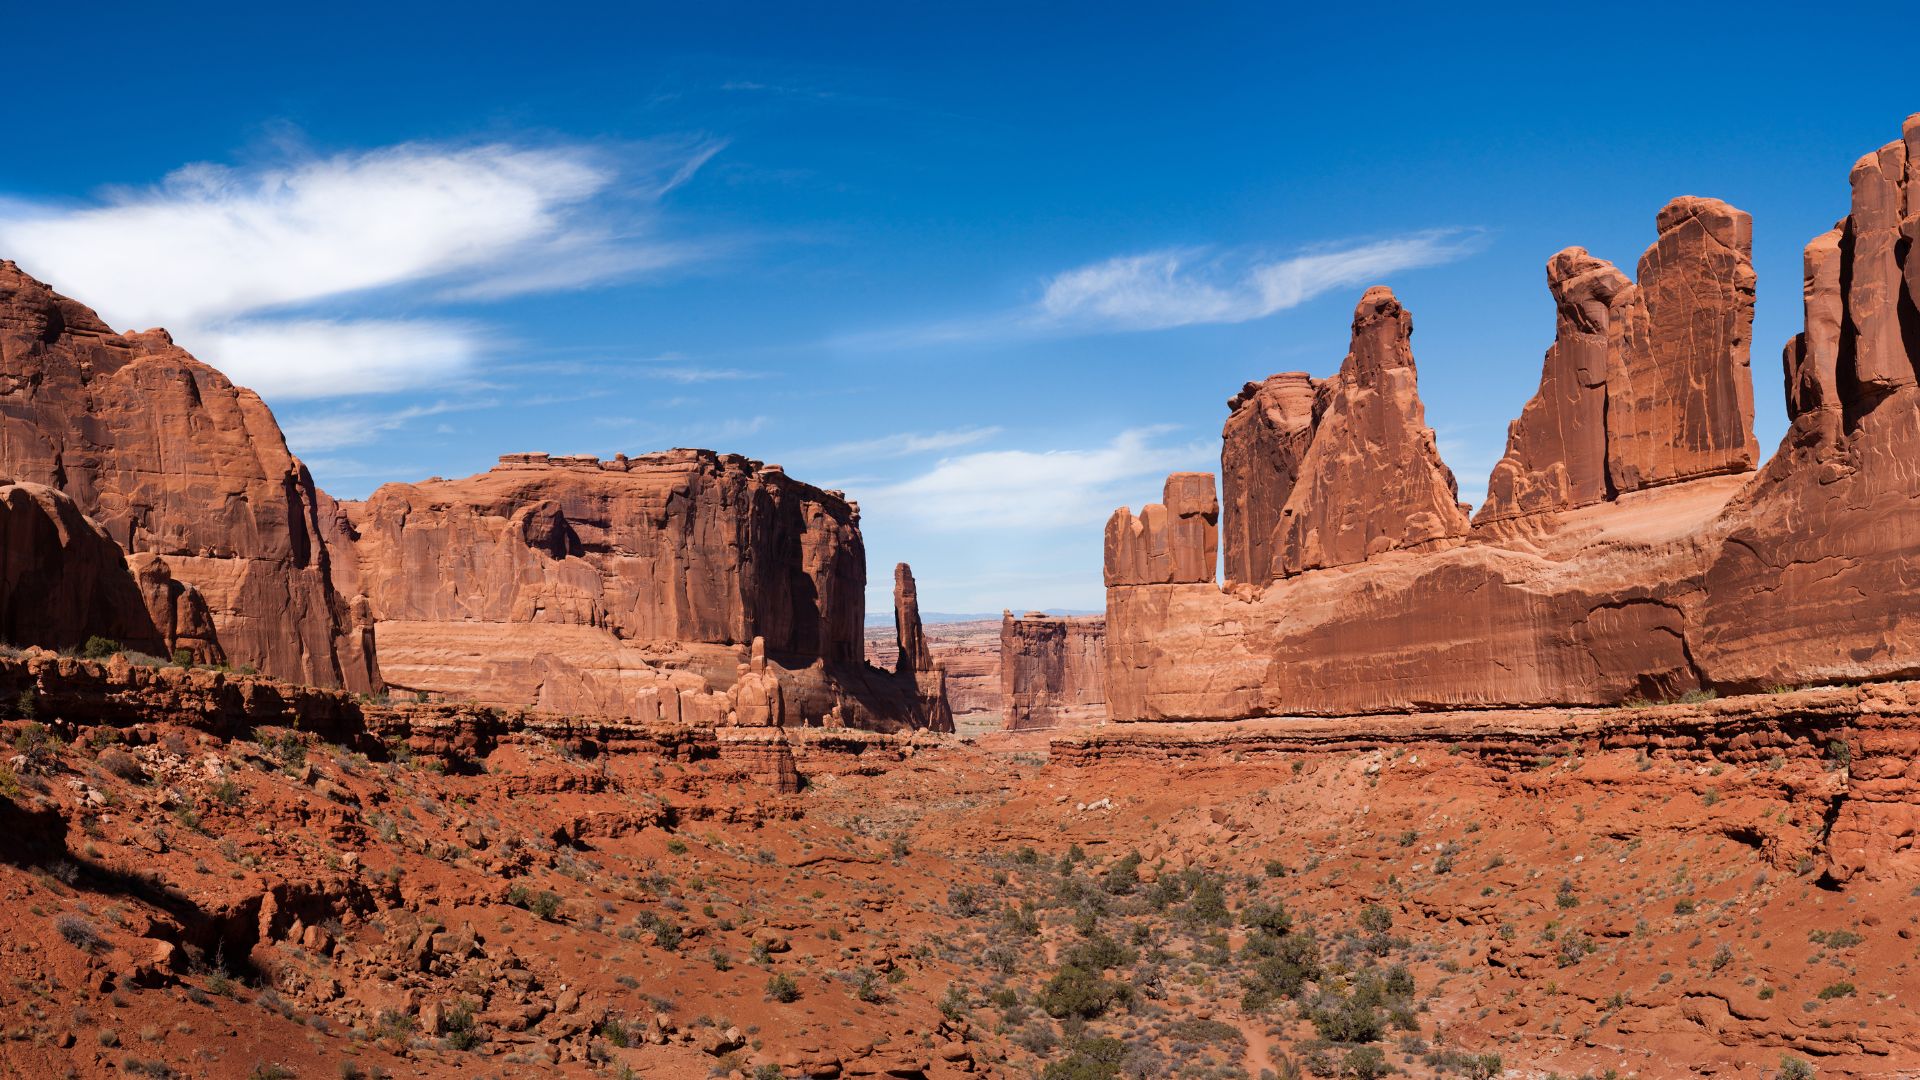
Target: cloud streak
{"x":1028,"y":490}
{"x":1187,"y":286}
{"x":240,"y":261}
{"x":906,"y":444}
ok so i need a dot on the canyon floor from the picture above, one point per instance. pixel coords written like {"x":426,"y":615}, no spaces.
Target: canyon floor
{"x":267,"y":904}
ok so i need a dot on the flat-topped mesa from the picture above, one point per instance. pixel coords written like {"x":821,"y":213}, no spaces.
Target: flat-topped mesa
{"x":1371,"y":480}
{"x":1053,"y":670}
{"x":176,"y":462}
{"x":1172,"y":542}
{"x":1263,"y":443}
{"x":1679,"y":377}
{"x":687,"y":546}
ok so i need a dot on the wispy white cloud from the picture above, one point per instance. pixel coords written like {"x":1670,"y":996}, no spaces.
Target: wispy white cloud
{"x":236,"y":259}
{"x":906,"y":444}
{"x":333,"y":431}
{"x":1038,"y":489}
{"x":1185,"y":286}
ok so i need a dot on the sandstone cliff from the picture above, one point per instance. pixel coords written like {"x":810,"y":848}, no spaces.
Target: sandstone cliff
{"x":1627,"y":549}
{"x":176,"y":462}
{"x":1646,"y":383}
{"x":1053,"y":670}
{"x":629,"y":587}
{"x":62,"y":579}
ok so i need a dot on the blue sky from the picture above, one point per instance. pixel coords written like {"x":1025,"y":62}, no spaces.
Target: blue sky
{"x":993,"y":270}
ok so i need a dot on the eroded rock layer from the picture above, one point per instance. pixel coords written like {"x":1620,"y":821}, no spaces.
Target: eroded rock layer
{"x":174,"y":461}
{"x":1053,"y":670}
{"x":1627,"y":548}
{"x":679,"y":586}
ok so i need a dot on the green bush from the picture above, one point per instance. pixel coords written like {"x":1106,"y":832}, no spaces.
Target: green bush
{"x":1076,"y":992}
{"x":1091,"y":1059}
{"x":99,"y":648}
{"x":783,"y":989}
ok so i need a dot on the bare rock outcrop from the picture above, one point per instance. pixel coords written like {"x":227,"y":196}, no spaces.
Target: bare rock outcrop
{"x":1817,"y":578}
{"x":1372,"y":479}
{"x":1679,"y":384}
{"x":1556,"y":455}
{"x":646,"y":587}
{"x":171,"y":458}
{"x":1173,"y":541}
{"x":923,"y":677}
{"x":1628,"y":549}
{"x":62,"y":579}
{"x":1645,"y":384}
{"x":1053,"y":670}
{"x":1263,"y":443}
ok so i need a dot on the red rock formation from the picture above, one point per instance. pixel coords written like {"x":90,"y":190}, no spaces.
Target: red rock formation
{"x":1680,"y":572}
{"x":1269,"y":427}
{"x":647,"y":587}
{"x":62,"y":580}
{"x":177,"y":610}
{"x":1645,"y":384}
{"x":175,"y":461}
{"x":1557,"y":450}
{"x":914,"y":655}
{"x":686,"y":545}
{"x":1172,"y":541}
{"x":1679,"y":385}
{"x":1816,"y":580}
{"x":969,"y":653}
{"x":1370,"y":435}
{"x":1053,"y":670}
{"x":921,"y":676}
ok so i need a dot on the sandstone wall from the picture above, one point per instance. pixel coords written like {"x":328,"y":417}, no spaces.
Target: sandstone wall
{"x":1053,"y":670}
{"x":663,"y":587}
{"x":1627,"y":548}
{"x":176,"y":462}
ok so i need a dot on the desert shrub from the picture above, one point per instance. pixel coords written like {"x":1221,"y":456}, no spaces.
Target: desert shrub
{"x":461,"y":1033}
{"x":1123,"y":876}
{"x":1375,"y":919}
{"x":1792,"y":1068}
{"x":1076,"y":992}
{"x":121,"y":764}
{"x":99,"y":648}
{"x":964,"y":901}
{"x":1836,"y":990}
{"x":1282,"y":967}
{"x":1336,"y":1017}
{"x":80,"y":933}
{"x":1097,"y":953}
{"x":37,"y":747}
{"x":284,"y":747}
{"x":1207,"y":903}
{"x":1091,"y":1059}
{"x":783,"y":989}
{"x":1366,"y":1063}
{"x":1574,"y":948}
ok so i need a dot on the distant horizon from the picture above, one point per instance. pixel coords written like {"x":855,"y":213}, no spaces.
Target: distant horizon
{"x":978,"y":273}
